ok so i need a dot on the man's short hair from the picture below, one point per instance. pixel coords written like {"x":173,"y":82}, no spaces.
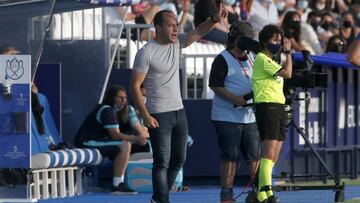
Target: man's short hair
{"x":313,"y":14}
{"x":158,"y":19}
{"x":326,"y":14}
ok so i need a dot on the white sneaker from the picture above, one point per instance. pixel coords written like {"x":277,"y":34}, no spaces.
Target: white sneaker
{"x":152,"y":201}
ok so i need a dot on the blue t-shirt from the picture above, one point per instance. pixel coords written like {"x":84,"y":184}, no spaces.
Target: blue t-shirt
{"x":235,"y":76}
{"x":358,"y":37}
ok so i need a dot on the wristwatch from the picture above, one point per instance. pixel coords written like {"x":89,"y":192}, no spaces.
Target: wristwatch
{"x":215,"y":19}
{"x":287,"y":52}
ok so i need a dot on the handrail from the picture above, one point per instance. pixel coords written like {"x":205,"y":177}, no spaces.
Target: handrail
{"x":42,"y":43}
{"x":112,"y":60}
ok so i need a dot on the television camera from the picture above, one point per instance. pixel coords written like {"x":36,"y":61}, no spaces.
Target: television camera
{"x":303,"y":74}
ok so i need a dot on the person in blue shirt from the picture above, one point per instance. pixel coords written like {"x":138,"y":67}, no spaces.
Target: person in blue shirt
{"x":102,"y":130}
{"x":230,"y":79}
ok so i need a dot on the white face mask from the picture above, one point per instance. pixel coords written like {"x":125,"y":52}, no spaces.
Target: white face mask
{"x":320,"y":6}
{"x":280,"y":5}
{"x":302,"y":4}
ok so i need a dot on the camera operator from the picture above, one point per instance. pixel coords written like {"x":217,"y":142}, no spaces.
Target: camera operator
{"x":267,"y":83}
{"x":230,"y":79}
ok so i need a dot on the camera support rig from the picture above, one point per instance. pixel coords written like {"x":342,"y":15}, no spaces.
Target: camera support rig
{"x":338,"y":187}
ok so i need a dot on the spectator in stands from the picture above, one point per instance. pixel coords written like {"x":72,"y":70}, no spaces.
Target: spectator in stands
{"x":339,"y":6}
{"x":267,"y":84}
{"x":284,"y":6}
{"x":181,"y":8}
{"x":354,"y":52}
{"x":243,"y":8}
{"x":308,"y":35}
{"x":101,"y":130}
{"x":302,"y":7}
{"x":263,"y":12}
{"x":327,"y":28}
{"x":157,"y":66}
{"x":321,"y":6}
{"x":114,"y":14}
{"x":337,"y":44}
{"x":145,"y":13}
{"x":348,"y":30}
{"x":314,"y":19}
{"x":204,"y":9}
{"x":233,"y":17}
{"x":329,"y":24}
{"x":236,"y":127}
{"x":169,"y":5}
{"x":292,"y":29}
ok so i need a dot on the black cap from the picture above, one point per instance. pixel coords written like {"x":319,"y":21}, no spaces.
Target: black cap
{"x":241,"y":29}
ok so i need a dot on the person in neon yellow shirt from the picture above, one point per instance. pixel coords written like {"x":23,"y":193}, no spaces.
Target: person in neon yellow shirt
{"x":267,"y":84}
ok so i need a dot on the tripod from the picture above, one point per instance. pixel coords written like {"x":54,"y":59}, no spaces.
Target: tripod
{"x":338,"y":187}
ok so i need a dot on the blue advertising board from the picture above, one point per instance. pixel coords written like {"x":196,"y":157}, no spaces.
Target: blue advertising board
{"x":15,"y":111}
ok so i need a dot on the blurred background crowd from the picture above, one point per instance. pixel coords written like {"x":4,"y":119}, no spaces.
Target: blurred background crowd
{"x":315,"y":25}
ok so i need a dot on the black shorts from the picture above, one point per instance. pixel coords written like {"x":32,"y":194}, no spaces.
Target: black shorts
{"x":235,"y":139}
{"x":271,"y":121}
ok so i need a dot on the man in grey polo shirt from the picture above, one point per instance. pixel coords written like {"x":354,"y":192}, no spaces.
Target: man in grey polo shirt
{"x":156,"y":66}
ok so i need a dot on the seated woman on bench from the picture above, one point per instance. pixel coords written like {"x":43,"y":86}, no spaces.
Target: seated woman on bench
{"x":101,"y":130}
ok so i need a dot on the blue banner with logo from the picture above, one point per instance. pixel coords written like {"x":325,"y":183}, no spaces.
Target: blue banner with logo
{"x":15,"y":111}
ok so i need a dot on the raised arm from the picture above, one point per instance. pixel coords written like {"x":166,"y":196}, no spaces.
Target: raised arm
{"x":206,"y":26}
{"x":286,"y":72}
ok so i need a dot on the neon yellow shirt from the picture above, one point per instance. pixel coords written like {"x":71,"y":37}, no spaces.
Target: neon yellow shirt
{"x":266,"y":84}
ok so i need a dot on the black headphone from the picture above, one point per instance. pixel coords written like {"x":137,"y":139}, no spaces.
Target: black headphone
{"x":234,"y":31}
